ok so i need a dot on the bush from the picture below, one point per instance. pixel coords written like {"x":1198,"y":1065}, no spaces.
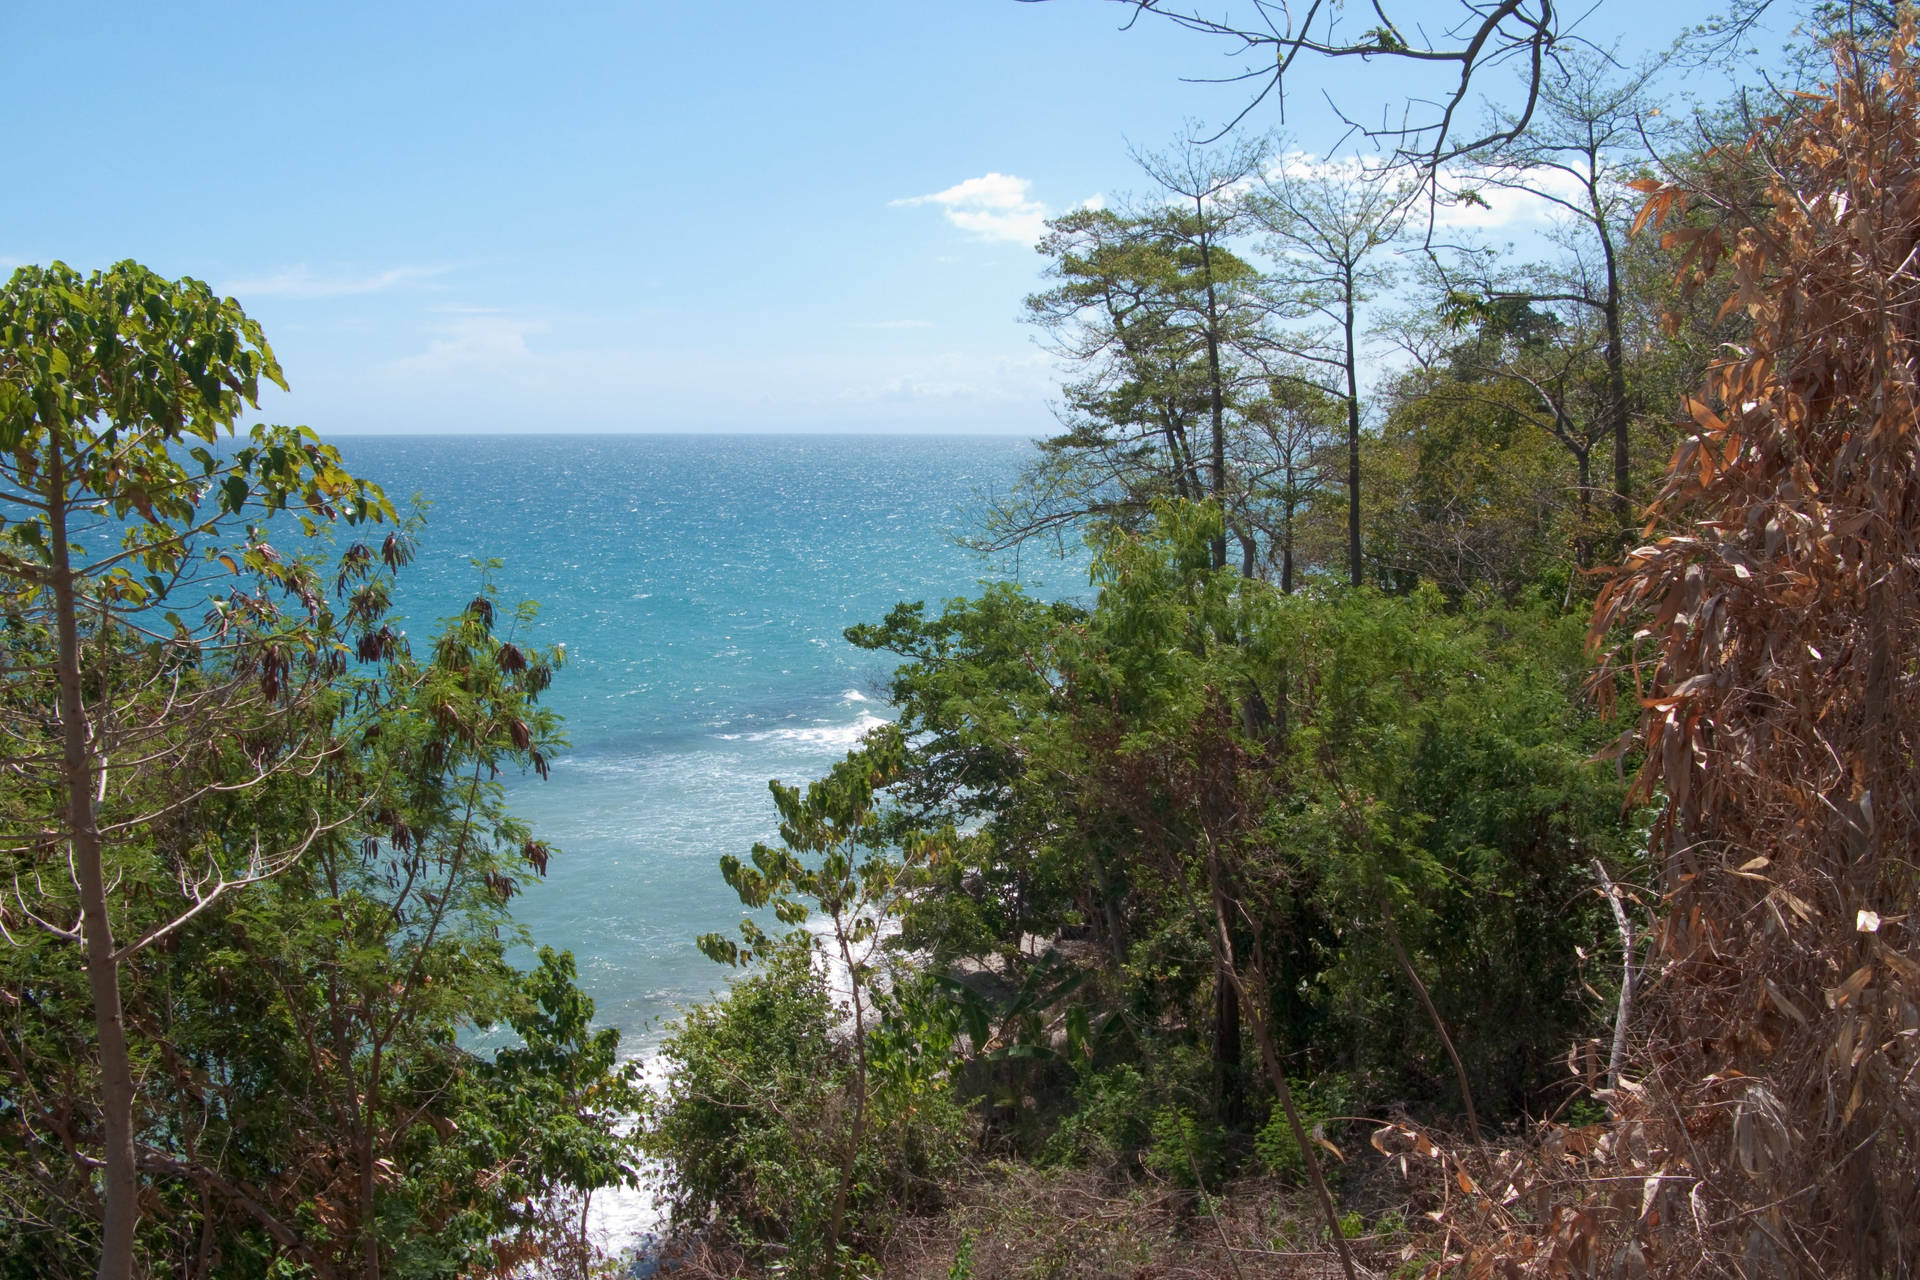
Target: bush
{"x":1185,"y":1151}
{"x":753,"y":1120}
{"x":1317,"y":1102}
{"x":1108,"y":1119}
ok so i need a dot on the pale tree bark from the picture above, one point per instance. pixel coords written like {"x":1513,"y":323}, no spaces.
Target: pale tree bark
{"x":79,"y":770}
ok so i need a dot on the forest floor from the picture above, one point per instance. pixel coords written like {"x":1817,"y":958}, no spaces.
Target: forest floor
{"x":1012,"y":1221}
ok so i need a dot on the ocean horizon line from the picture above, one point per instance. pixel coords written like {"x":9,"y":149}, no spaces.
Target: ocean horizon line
{"x":714,"y":433}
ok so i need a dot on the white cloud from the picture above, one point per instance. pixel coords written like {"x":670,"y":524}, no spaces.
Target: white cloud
{"x":473,"y":337}
{"x":994,"y":206}
{"x":1499,"y":208}
{"x":303,"y":283}
{"x":893,"y":324}
{"x":1489,"y":208}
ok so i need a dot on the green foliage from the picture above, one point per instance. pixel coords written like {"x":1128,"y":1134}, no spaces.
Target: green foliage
{"x":1370,"y":772}
{"x":857,"y":1125}
{"x":305,"y":1104}
{"x":1110,"y":1116}
{"x":744,"y":1116}
{"x":1317,"y":1101}
{"x":962,"y":1268}
{"x":1182,"y":1149}
{"x":753,"y":1119}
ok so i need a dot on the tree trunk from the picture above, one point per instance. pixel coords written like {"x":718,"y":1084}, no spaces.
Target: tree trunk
{"x":858,"y":1128}
{"x":1286,"y":539}
{"x":1583,"y":545}
{"x":1216,"y":394}
{"x":1229,"y":1086}
{"x":1439,"y":1025}
{"x":1255,"y":1001}
{"x":1623,"y":1012}
{"x":1353,"y":436}
{"x":79,"y":765}
{"x":369,"y":1192}
{"x":1616,"y":383}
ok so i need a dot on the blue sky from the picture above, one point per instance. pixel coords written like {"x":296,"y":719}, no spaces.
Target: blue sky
{"x":592,"y":217}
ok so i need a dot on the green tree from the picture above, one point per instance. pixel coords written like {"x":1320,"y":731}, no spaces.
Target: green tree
{"x":1589,"y":128}
{"x":306,"y":1102}
{"x":111,"y":386}
{"x":1168,"y":329}
{"x":837,"y":857}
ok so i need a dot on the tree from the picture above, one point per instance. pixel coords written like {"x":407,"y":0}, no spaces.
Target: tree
{"x":1589,"y":125}
{"x":836,"y":856}
{"x":1100,"y":756}
{"x":1481,"y":37}
{"x":1285,"y":449}
{"x":305,"y":1100}
{"x":1168,"y":327}
{"x":111,"y":386}
{"x":1205,"y":182}
{"x":1326,"y":223}
{"x":1187,"y":385}
{"x":1470,"y":492}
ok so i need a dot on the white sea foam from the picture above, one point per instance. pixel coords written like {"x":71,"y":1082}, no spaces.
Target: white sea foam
{"x":621,"y":1218}
{"x":854,"y":695}
{"x":839,"y":736}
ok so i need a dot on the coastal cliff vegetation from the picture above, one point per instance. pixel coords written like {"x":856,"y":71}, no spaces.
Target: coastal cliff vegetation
{"x":1462,"y":833}
{"x":1463,"y":830}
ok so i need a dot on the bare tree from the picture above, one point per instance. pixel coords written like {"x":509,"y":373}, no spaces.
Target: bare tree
{"x":1473,"y":39}
{"x":1589,"y":130}
{"x":1327,"y":223}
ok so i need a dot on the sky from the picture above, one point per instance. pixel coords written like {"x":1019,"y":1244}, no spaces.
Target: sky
{"x":624,"y":217}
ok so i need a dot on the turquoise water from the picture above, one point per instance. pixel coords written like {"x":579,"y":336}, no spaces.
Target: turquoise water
{"x":700,"y":585}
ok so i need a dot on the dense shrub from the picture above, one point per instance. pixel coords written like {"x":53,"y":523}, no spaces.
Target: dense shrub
{"x":753,"y":1121}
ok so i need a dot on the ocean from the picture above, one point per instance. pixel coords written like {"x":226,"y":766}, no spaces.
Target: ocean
{"x":701,"y":585}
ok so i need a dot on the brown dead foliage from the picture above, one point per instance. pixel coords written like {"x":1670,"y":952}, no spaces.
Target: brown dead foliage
{"x":1770,"y":1123}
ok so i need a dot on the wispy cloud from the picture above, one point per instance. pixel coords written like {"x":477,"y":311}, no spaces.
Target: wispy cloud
{"x":994,"y":206}
{"x":1489,"y":207}
{"x":893,"y":324}
{"x":303,"y":283}
{"x":984,"y":379}
{"x":474,"y":337}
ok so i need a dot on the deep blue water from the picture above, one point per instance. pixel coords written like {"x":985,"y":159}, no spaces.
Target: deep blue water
{"x":700,"y":585}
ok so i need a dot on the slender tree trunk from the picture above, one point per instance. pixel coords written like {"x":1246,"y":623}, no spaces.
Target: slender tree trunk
{"x":857,"y":1134}
{"x":1623,"y":1013}
{"x":1583,"y":546}
{"x":1183,"y":478}
{"x":1616,"y":361}
{"x":369,"y":1221}
{"x":1217,"y":399}
{"x":79,"y":766}
{"x":1254,"y":1001}
{"x":1286,"y":539}
{"x":1229,"y":1088}
{"x":1440,"y":1026}
{"x":1353,"y":435}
